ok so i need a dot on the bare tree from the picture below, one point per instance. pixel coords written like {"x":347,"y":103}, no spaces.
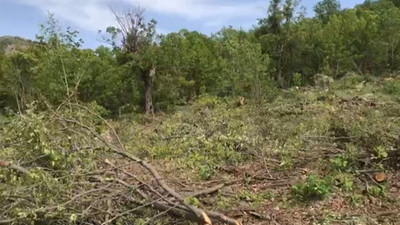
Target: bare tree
{"x":137,"y":38}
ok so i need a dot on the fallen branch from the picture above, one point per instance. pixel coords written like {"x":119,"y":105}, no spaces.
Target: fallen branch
{"x":192,"y":217}
{"x":131,"y":210}
{"x":205,"y":191}
{"x":386,"y":213}
{"x":14,"y":167}
{"x":177,"y":210}
{"x":7,"y":221}
{"x":201,"y":216}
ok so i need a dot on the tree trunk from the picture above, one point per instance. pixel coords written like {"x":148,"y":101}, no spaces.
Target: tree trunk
{"x":279,"y":75}
{"x":148,"y":89}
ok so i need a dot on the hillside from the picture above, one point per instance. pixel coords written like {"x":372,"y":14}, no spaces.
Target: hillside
{"x":10,"y":43}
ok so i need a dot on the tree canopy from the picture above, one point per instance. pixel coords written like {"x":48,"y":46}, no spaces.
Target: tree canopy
{"x":141,"y":69}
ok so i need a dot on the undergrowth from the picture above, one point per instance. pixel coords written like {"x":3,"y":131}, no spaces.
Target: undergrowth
{"x":338,"y":134}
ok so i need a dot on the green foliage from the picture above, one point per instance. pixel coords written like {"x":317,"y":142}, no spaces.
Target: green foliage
{"x":188,"y":68}
{"x":313,"y":188}
{"x":106,"y":83}
{"x":256,"y":199}
{"x":207,"y":101}
{"x":10,"y":43}
{"x":208,"y":140}
{"x":203,"y":137}
{"x":297,"y":79}
{"x":381,"y":152}
{"x":48,"y":148}
{"x":345,"y":182}
{"x":377,"y":190}
{"x":392,"y":88}
{"x":285,"y":49}
{"x":17,"y":73}
{"x":341,"y":163}
{"x":198,"y":82}
{"x":325,"y":9}
{"x":193,"y":201}
{"x":349,"y":80}
{"x":244,"y":69}
{"x":356,"y":200}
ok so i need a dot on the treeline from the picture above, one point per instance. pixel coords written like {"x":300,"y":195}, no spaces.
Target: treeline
{"x":146,"y":72}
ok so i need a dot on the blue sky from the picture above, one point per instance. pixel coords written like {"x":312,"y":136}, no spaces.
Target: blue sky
{"x":23,"y":17}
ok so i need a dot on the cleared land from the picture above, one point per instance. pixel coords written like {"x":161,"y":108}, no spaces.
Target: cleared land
{"x":310,"y":156}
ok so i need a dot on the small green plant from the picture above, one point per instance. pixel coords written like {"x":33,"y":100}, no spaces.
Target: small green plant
{"x":269,"y":195}
{"x":356,"y":200}
{"x":392,"y":88}
{"x":208,"y":101}
{"x":286,"y":162}
{"x":193,"y":201}
{"x":345,"y":182}
{"x":381,"y":152}
{"x":297,"y":79}
{"x":314,"y":188}
{"x":340,"y":163}
{"x":257,"y":199}
{"x":223,"y":202}
{"x":329,"y":219}
{"x":377,"y":191}
{"x":206,"y":172}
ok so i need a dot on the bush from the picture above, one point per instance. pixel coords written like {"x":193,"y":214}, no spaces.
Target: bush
{"x":297,"y":79}
{"x":391,"y":88}
{"x":314,"y":188}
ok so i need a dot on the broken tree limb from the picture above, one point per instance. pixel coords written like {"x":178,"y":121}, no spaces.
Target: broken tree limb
{"x":14,"y":167}
{"x":202,"y":215}
{"x":190,"y":216}
{"x":9,"y":221}
{"x":221,"y":217}
{"x":205,"y":191}
{"x":198,"y":212}
{"x":177,"y":210}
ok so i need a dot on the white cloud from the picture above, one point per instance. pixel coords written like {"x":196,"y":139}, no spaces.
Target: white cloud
{"x":92,"y":15}
{"x":202,"y":9}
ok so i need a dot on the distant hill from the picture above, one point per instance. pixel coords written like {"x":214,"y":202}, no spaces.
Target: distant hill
{"x":11,"y":43}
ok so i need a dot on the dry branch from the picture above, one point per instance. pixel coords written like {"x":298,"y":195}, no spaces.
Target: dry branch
{"x":206,"y":191}
{"x":200,"y":216}
{"x":13,"y":166}
{"x":9,"y":221}
{"x":192,"y":217}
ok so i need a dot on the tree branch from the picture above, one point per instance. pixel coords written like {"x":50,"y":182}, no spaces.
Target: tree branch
{"x":14,"y":167}
{"x":199,"y":213}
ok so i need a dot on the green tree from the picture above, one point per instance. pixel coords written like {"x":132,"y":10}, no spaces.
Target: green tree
{"x":106,"y":82}
{"x":139,"y":49}
{"x":275,"y":34}
{"x":189,"y":66}
{"x":17,"y":79}
{"x":325,"y":9}
{"x":244,"y":69}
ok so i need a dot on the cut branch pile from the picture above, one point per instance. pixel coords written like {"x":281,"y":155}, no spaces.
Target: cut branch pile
{"x":177,"y":206}
{"x":104,"y":192}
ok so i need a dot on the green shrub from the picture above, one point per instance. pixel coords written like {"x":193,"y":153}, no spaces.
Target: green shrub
{"x":209,"y":101}
{"x":392,"y":88}
{"x":377,"y":191}
{"x":297,"y":79}
{"x":350,"y":80}
{"x":345,"y":182}
{"x":340,"y":163}
{"x":314,"y":188}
